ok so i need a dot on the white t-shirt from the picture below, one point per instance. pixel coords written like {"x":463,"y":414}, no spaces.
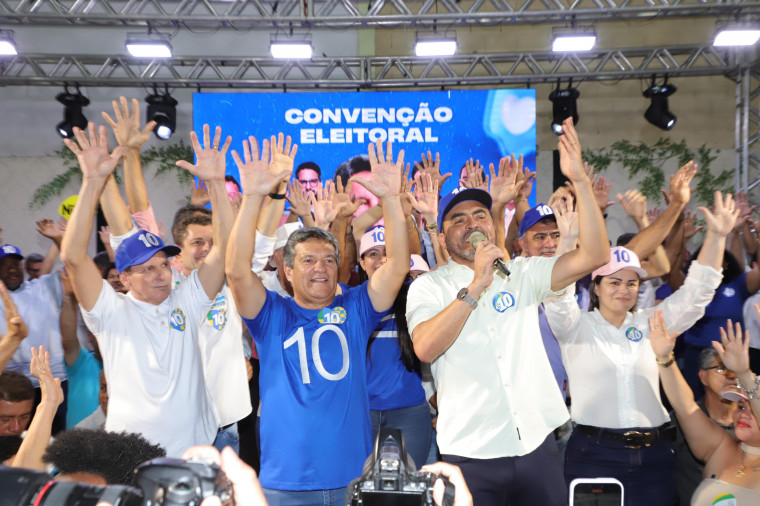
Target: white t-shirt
{"x":613,"y":375}
{"x":497,"y":396}
{"x":153,"y":368}
{"x":39,"y":304}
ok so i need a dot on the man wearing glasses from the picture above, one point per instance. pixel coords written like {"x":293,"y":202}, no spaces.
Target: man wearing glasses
{"x":309,"y":176}
{"x":716,"y":378}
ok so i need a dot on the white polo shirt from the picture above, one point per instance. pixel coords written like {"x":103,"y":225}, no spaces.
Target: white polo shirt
{"x":39,"y":304}
{"x":497,"y":396}
{"x":613,"y":376}
{"x":152,"y":363}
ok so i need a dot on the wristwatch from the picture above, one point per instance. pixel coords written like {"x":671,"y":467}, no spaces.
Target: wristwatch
{"x":465,"y":296}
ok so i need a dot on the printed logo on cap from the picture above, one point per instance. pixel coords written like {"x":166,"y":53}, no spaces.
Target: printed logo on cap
{"x":503,"y":301}
{"x":633,"y":334}
{"x":335,"y":315}
{"x":217,"y":316}
{"x":177,"y":320}
{"x":9,"y":250}
{"x":148,"y":239}
{"x":724,"y":500}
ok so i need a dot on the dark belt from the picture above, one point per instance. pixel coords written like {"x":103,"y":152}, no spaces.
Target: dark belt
{"x":632,"y":439}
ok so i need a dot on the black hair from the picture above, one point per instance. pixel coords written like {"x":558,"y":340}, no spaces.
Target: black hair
{"x":232,"y":179}
{"x":15,"y":387}
{"x":732,"y":269}
{"x":345,"y":170}
{"x":408,"y":357}
{"x":188,"y":210}
{"x":108,"y":269}
{"x":33,"y":258}
{"x":309,"y":165}
{"x":112,"y":455}
{"x":102,"y":262}
{"x":624,"y":239}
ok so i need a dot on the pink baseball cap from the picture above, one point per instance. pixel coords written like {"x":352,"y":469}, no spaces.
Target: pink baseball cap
{"x":620,"y":258}
{"x":372,"y":238}
{"x":419,"y":264}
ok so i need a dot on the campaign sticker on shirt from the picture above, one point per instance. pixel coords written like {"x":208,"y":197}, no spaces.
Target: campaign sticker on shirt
{"x":724,"y":500}
{"x":177,"y":320}
{"x":217,"y":316}
{"x":503,"y":301}
{"x":634,"y":334}
{"x":729,"y":292}
{"x":334,"y":315}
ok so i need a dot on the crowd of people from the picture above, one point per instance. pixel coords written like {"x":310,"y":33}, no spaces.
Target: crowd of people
{"x":293,"y":318}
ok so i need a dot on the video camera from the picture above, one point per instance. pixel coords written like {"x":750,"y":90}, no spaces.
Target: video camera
{"x":162,"y":481}
{"x":390,"y":477}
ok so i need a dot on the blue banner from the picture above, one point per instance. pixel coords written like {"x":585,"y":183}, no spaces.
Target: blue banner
{"x":331,"y":128}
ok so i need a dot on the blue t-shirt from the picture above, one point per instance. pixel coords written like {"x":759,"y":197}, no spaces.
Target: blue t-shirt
{"x":391,"y":385}
{"x":84,"y":387}
{"x":727,"y":303}
{"x":315,"y":425}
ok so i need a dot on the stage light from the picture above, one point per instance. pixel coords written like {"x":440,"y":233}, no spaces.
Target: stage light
{"x":737,"y":35}
{"x":7,"y":44}
{"x":163,"y":110}
{"x":435,"y":43}
{"x":291,"y":47}
{"x":564,"y":105}
{"x":148,"y":46}
{"x":658,"y":112}
{"x":72,"y":112}
{"x":573,"y":39}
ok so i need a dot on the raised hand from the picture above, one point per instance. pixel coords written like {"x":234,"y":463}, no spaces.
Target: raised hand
{"x":425,"y":197}
{"x":50,"y":387}
{"x":209,"y":159}
{"x":653,"y":214}
{"x":16,"y":327}
{"x":298,"y":198}
{"x":570,"y":159}
{"x":126,"y":128}
{"x":680,"y":192}
{"x":634,"y":203}
{"x":567,"y":224}
{"x":342,"y":196}
{"x":323,"y":203}
{"x":200,"y":195}
{"x":432,"y":168}
{"x":282,"y":154}
{"x":506,"y":184}
{"x":689,"y":224}
{"x":527,"y":177}
{"x":661,"y":340}
{"x":50,"y":229}
{"x":732,"y":349}
{"x":602,"y":192}
{"x":385,"y":179}
{"x":723,"y":217}
{"x":91,"y":150}
{"x":744,"y":208}
{"x":257,"y":175}
{"x":476,"y":177}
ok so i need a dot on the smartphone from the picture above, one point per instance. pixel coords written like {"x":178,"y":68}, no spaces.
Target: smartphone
{"x":596,"y":492}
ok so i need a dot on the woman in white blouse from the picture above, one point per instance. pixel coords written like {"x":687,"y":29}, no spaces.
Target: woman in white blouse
{"x":621,"y":428}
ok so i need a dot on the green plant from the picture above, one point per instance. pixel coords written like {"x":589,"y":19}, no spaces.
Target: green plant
{"x":165,"y":156}
{"x":646,"y":161}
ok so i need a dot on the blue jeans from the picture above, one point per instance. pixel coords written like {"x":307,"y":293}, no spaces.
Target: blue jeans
{"x":414,"y":423}
{"x":330,"y":497}
{"x":648,"y":474}
{"x":228,"y":437}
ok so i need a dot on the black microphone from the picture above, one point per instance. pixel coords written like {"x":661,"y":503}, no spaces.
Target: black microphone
{"x":475,"y":238}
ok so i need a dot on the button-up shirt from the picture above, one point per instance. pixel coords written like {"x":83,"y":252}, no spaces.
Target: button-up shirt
{"x":497,"y":396}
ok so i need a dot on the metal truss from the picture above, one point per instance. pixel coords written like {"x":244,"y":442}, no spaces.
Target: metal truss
{"x":263,"y":14}
{"x":367,"y":72}
{"x":747,"y":129}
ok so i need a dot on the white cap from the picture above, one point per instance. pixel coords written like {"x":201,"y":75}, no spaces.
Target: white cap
{"x":372,"y":238}
{"x":283,"y":232}
{"x":419,"y":264}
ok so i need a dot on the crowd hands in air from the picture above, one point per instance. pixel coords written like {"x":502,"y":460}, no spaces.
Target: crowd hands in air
{"x":355,"y":302}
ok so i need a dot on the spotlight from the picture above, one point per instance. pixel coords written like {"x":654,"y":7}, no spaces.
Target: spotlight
{"x":564,"y":106}
{"x":435,"y":44}
{"x":7,"y":45}
{"x":737,"y":35}
{"x":290,"y":48}
{"x":148,"y":46}
{"x":72,"y":114}
{"x":574,"y":39}
{"x":163,"y":110}
{"x":658,"y":112}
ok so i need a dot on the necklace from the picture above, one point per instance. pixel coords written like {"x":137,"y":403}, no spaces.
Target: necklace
{"x":745,"y":449}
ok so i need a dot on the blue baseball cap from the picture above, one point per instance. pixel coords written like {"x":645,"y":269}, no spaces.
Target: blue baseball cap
{"x":534,"y":215}
{"x":459,"y":195}
{"x":139,"y":248}
{"x":10,"y":250}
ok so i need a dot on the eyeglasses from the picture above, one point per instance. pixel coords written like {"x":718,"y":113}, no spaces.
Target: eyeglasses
{"x":309,"y":182}
{"x":720,"y":368}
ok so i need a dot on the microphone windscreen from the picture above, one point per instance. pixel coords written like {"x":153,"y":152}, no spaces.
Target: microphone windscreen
{"x":476,"y":237}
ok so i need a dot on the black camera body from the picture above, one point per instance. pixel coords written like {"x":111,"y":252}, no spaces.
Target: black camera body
{"x":162,"y":481}
{"x":390,"y":477}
